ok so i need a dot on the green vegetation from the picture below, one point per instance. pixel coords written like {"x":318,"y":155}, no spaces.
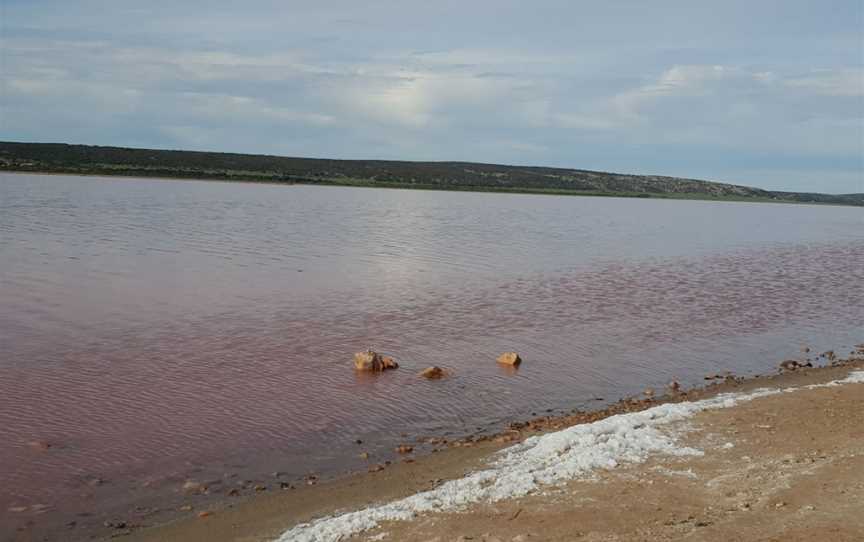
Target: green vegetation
{"x":93,"y":160}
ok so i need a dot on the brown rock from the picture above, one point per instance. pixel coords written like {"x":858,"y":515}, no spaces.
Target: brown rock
{"x":194,"y":488}
{"x":649,"y":392}
{"x":433,"y":373}
{"x":790,"y":365}
{"x":204,"y":514}
{"x":40,"y":445}
{"x":373,"y":362}
{"x":675,"y":386}
{"x":509,"y":358}
{"x":404,"y":449}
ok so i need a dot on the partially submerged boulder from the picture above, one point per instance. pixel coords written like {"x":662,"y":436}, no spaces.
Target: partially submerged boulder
{"x":373,"y":362}
{"x":509,"y":358}
{"x":433,"y":373}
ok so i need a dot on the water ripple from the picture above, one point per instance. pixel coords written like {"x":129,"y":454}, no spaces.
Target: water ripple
{"x":149,"y":326}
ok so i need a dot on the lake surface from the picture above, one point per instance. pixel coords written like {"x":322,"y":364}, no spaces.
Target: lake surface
{"x":156,"y":331}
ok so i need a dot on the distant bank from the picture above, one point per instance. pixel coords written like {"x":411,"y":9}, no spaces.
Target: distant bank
{"x":468,"y":176}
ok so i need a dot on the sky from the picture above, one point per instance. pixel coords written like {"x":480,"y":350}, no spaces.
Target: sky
{"x":758,"y":92}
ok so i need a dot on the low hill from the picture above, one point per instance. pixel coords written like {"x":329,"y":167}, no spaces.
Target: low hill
{"x":96,"y":160}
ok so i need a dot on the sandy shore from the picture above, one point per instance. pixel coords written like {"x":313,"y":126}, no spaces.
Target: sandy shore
{"x":788,"y":466}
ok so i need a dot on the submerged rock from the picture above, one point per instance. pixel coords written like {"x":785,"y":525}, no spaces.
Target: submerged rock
{"x":40,"y":445}
{"x":433,"y":373}
{"x":373,"y":362}
{"x":509,"y":358}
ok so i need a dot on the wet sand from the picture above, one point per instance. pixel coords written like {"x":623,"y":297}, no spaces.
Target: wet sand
{"x":793,"y":469}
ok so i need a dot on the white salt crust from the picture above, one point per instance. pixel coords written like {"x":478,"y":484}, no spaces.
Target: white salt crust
{"x":545,"y":460}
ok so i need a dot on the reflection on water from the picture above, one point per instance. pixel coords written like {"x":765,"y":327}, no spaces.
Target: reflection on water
{"x":154,"y":329}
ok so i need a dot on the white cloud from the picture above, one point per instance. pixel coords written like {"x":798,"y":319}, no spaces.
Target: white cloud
{"x":692,"y":80}
{"x":404,"y":101}
{"x":843,"y":82}
{"x":247,"y":110}
{"x":419,"y":99}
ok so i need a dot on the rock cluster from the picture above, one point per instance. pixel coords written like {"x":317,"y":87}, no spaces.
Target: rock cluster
{"x":794,"y":365}
{"x":373,"y":362}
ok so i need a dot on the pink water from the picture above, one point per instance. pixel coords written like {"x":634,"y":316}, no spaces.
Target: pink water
{"x":159,"y":331}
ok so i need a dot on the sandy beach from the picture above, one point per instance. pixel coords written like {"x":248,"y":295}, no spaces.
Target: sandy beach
{"x":776,"y":466}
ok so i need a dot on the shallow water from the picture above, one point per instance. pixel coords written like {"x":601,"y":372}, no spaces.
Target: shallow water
{"x":154,"y":331}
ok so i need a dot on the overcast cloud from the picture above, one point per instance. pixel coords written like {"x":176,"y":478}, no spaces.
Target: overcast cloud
{"x":765,"y":93}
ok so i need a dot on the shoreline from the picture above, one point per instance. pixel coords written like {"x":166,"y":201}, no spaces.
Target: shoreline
{"x":686,"y":196}
{"x":267,"y":515}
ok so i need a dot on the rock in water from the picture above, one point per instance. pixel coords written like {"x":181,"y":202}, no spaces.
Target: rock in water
{"x":509,"y":358}
{"x":433,"y":373}
{"x":367,"y":361}
{"x":192,"y":487}
{"x":373,"y":361}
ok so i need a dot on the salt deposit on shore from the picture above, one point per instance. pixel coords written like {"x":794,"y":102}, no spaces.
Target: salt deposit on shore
{"x":544,"y":461}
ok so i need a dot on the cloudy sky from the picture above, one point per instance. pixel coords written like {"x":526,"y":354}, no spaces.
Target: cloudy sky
{"x":760,"y":92}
